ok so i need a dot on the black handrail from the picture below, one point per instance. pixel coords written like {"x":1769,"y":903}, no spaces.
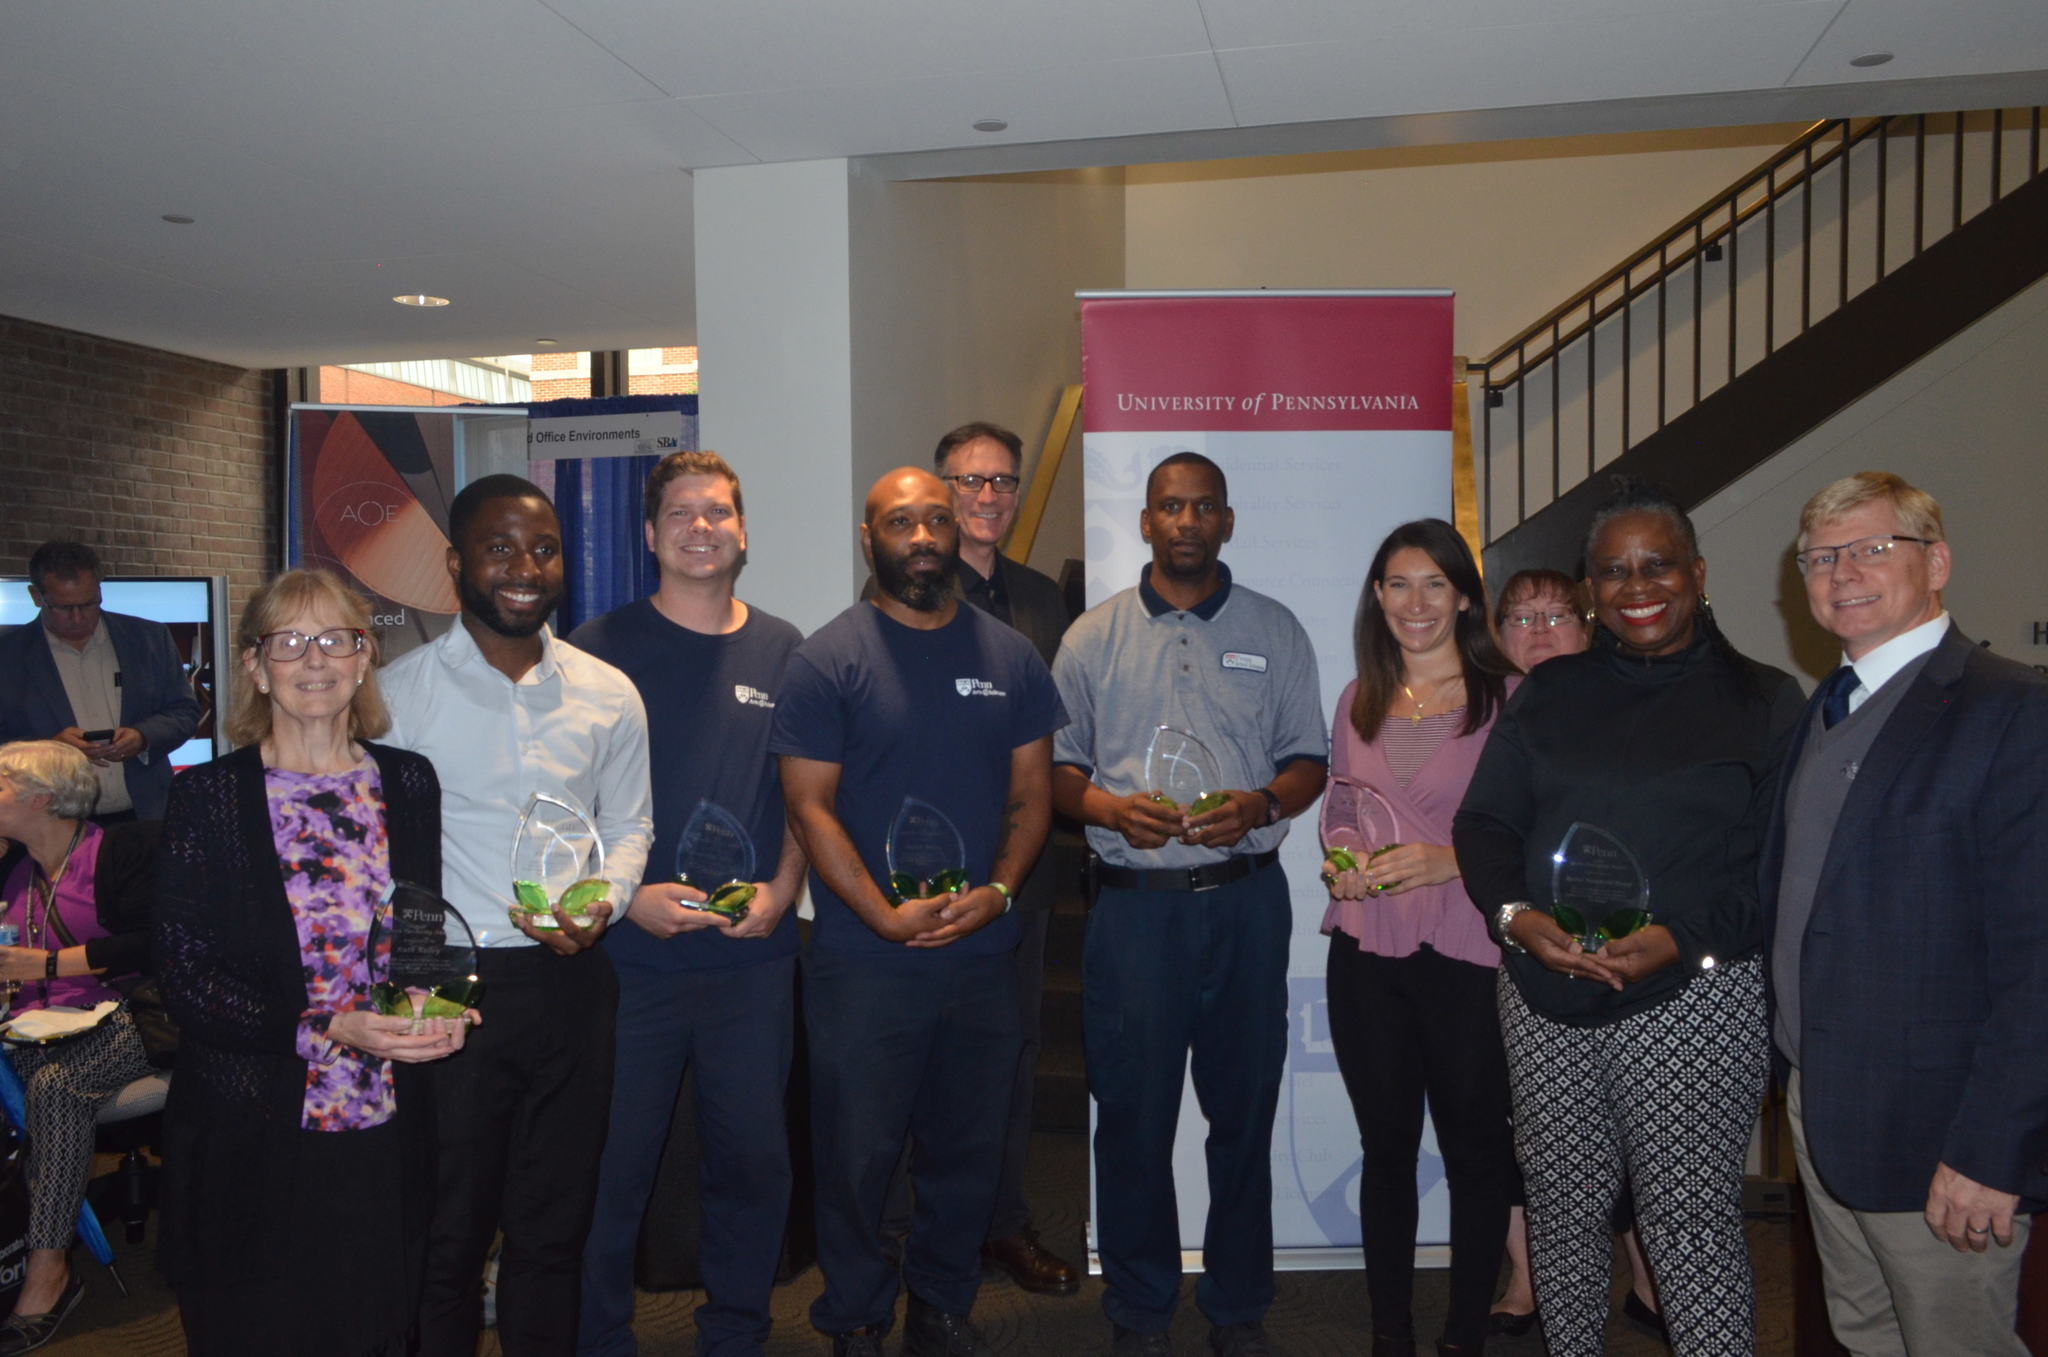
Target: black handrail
{"x":1702,"y":237}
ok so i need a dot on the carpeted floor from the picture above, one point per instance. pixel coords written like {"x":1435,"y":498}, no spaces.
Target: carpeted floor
{"x":1318,"y":1314}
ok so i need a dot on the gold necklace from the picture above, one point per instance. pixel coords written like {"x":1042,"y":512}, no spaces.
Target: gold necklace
{"x":1421,"y":702}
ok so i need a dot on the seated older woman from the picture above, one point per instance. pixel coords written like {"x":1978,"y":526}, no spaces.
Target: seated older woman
{"x":77,"y":897}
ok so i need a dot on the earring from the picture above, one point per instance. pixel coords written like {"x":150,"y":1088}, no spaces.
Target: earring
{"x":263,"y":688}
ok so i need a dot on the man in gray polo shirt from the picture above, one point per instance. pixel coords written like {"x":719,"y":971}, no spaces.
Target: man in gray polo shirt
{"x":1909,"y":955}
{"x":1187,"y":942}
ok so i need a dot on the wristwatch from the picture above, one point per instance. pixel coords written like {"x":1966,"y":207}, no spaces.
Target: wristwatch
{"x":1272,"y":805}
{"x":1505,"y":916}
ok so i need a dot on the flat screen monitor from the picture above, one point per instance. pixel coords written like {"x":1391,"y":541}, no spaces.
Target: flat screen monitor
{"x":194,"y":607}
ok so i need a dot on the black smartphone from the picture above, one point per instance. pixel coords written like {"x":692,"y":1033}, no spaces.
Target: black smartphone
{"x":96,"y":736}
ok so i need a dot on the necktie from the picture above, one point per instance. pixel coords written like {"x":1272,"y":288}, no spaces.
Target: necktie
{"x":1834,"y":703}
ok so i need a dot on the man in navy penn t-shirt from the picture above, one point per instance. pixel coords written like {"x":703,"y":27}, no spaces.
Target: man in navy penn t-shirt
{"x":697,"y":989}
{"x":911,"y":702}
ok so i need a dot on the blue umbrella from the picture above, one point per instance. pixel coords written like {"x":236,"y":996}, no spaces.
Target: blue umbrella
{"x":14,"y":1101}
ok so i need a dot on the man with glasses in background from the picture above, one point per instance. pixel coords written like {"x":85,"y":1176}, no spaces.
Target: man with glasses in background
{"x":1909,"y":957}
{"x":981,"y":463}
{"x":109,"y":685}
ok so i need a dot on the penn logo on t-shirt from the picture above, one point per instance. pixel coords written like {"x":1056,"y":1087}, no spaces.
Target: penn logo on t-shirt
{"x":1239,"y":659}
{"x":752,"y":697}
{"x":974,"y":687}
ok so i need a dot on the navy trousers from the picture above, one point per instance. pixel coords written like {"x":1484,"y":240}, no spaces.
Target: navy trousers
{"x":735,"y":1027}
{"x":919,"y":1046}
{"x":1167,"y":973}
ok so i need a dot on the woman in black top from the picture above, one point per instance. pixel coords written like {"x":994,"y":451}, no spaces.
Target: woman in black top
{"x":1645,"y":1057}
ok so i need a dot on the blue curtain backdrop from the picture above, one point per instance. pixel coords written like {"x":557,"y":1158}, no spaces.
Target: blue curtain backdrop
{"x":605,"y":556}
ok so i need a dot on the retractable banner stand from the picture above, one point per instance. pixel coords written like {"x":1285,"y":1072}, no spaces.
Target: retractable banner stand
{"x":1330,"y":414}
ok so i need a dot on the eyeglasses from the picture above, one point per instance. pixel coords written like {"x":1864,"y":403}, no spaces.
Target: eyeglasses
{"x":73,"y":609}
{"x":1556,"y":619}
{"x":971,"y":483}
{"x":282,"y":647}
{"x":1863,"y":551}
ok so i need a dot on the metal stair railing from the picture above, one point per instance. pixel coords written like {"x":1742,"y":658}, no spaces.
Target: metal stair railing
{"x":1844,"y":205}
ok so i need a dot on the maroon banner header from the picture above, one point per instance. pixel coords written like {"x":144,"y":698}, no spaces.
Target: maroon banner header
{"x":1267,"y":363}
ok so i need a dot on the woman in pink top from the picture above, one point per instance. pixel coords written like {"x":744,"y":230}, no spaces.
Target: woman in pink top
{"x":1411,"y":970}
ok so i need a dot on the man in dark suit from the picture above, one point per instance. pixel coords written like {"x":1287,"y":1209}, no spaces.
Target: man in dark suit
{"x":981,"y":463}
{"x":1903,"y":875}
{"x":81,"y":672}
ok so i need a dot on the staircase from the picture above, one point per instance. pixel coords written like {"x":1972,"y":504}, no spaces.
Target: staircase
{"x":1846,"y":256}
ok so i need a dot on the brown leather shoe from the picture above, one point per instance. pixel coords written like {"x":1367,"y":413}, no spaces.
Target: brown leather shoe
{"x":1031,"y":1266}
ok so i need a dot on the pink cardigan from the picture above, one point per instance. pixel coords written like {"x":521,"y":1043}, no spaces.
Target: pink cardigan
{"x":1440,"y":917}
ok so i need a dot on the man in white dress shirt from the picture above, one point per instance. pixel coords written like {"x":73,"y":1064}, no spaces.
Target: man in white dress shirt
{"x":506,"y":711}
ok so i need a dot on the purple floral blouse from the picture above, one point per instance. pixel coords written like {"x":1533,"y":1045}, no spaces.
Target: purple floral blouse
{"x":331,"y":845}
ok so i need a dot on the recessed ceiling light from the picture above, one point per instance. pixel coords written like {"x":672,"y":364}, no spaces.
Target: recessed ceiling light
{"x":544,"y":342}
{"x":991,"y":125}
{"x":174,"y":219}
{"x":1871,"y":59}
{"x":419,"y":299}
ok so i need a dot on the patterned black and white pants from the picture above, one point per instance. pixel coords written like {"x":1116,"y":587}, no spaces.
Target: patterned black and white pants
{"x":1666,"y":1098}
{"x":67,"y":1082}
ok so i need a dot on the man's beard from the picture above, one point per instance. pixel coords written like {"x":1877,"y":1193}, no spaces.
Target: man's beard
{"x":893,"y":577}
{"x":485,"y":609}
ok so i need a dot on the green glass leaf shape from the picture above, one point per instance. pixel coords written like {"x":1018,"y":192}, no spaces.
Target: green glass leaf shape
{"x":1208,"y":802}
{"x":1341,"y":860}
{"x":1569,"y":919}
{"x":1623,"y":922}
{"x":390,"y":1000}
{"x":902,"y":886}
{"x":581,"y":896}
{"x":732,"y":899}
{"x":531,"y":897}
{"x":952,"y":880}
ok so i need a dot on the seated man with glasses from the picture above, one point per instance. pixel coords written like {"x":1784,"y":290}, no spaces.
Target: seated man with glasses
{"x":110,"y":686}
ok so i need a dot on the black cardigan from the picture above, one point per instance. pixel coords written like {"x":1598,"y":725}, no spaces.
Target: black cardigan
{"x":227,"y":953}
{"x":1675,"y":756}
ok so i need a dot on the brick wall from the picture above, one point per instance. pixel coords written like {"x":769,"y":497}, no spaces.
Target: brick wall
{"x":165,"y":464}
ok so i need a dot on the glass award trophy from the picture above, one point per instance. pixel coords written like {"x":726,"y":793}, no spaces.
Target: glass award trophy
{"x":1181,"y":773}
{"x":925,"y":853}
{"x":1597,"y":888}
{"x":1358,"y":824}
{"x":557,"y":863}
{"x":716,"y":855}
{"x":421,"y":947}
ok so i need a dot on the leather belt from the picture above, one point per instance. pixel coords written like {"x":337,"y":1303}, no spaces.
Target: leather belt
{"x":1204,"y":878}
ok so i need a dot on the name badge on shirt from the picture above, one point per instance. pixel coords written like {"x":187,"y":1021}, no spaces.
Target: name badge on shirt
{"x":1240,"y":659}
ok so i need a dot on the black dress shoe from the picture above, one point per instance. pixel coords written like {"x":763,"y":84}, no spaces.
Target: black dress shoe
{"x":857,"y":1343}
{"x":26,"y":1333}
{"x":1031,"y":1265}
{"x":1131,"y":1343}
{"x":1512,"y":1324}
{"x":1401,"y":1344}
{"x":1653,"y":1320}
{"x":931,"y":1332}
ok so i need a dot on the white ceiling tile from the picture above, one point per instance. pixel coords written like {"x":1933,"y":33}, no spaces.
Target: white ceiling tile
{"x":703,"y":47}
{"x":1974,"y":37}
{"x":1107,"y":98}
{"x":1276,"y":23}
{"x":1548,"y":63}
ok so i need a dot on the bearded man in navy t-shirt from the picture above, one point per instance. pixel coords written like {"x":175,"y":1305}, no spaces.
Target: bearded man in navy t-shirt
{"x":909,"y":707}
{"x":700,"y":989}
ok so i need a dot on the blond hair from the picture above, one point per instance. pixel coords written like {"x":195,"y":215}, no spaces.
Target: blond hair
{"x":285,"y":597}
{"x":1918,"y":514}
{"x":54,"y":769}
